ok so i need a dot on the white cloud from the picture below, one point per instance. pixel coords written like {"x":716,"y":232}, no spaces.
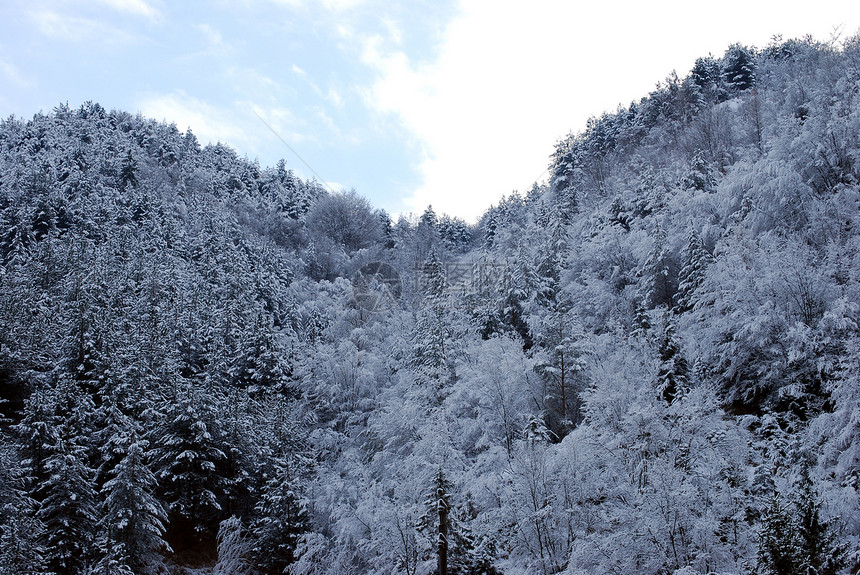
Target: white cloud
{"x":251,"y":81}
{"x":511,"y":79}
{"x":299,"y":72}
{"x":11,"y":74}
{"x":76,"y":29}
{"x":134,"y":7}
{"x":395,"y":34}
{"x":55,"y":20}
{"x":279,"y":120}
{"x":209,"y":123}
{"x":332,"y":96}
{"x":331,"y":5}
{"x":56,"y":25}
{"x":291,"y":3}
{"x":342,"y":5}
{"x":212,"y":35}
{"x":482,"y":111}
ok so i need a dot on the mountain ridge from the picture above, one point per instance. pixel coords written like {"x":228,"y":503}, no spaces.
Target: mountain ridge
{"x":648,"y":365}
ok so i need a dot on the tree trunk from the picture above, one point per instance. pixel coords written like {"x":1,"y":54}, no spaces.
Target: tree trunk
{"x":442,"y":550}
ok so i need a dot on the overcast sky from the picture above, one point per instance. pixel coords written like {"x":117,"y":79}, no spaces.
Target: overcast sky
{"x":451,"y":103}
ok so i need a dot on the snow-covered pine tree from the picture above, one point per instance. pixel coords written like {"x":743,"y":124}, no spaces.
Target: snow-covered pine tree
{"x":550,"y":263}
{"x":132,"y":524}
{"x":658,"y":284}
{"x":560,"y":361}
{"x":821,"y":553}
{"x":188,"y":462}
{"x":234,"y":549}
{"x":738,"y":66}
{"x":437,"y":521}
{"x":22,"y":539}
{"x":795,"y":540}
{"x":696,"y":261}
{"x":430,"y":352}
{"x":22,"y":550}
{"x":282,"y":516}
{"x":700,"y":175}
{"x":515,"y":287}
{"x":566,"y":168}
{"x":779,"y":545}
{"x":673,"y":375}
{"x":67,"y":509}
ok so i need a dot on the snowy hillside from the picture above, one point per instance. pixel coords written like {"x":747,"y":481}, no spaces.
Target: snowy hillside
{"x":649,"y":365}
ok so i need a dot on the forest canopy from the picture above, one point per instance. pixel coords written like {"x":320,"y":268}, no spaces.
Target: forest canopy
{"x":650,"y":364}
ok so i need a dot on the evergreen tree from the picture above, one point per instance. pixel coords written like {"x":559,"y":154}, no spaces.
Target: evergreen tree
{"x":650,"y":193}
{"x":455,"y":234}
{"x":707,"y":78}
{"x":437,"y":520}
{"x":16,"y":241}
{"x":282,"y":517}
{"x":489,"y":227}
{"x":132,"y":524}
{"x":739,"y":68}
{"x":514,"y":296}
{"x":470,"y":554}
{"x":659,"y":274}
{"x":700,"y":175}
{"x":430,"y":343}
{"x":188,"y":462}
{"x":795,"y":540}
{"x":67,"y":509}
{"x":37,"y":436}
{"x":560,"y":361}
{"x":388,"y":238}
{"x":128,"y":173}
{"x":566,"y":168}
{"x":820,"y":552}
{"x":779,"y":545}
{"x":550,"y":264}
{"x":425,"y":236}
{"x":673,"y":375}
{"x":244,"y":456}
{"x":22,"y":539}
{"x":22,"y":550}
{"x":692,"y":275}
{"x":259,"y":363}
{"x":429,"y":218}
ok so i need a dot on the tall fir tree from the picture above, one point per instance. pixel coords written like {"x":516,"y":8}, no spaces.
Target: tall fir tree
{"x":67,"y":509}
{"x":673,"y":373}
{"x":659,"y":274}
{"x":430,"y":354}
{"x":436,"y":521}
{"x":696,"y":261}
{"x":132,"y":524}
{"x":821,"y":553}
{"x":282,"y":517}
{"x":188,"y":463}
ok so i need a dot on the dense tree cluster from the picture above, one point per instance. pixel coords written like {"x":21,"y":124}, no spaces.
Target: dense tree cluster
{"x":649,"y":365}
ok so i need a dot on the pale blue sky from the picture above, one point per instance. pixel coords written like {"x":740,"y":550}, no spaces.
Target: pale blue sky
{"x":451,"y":103}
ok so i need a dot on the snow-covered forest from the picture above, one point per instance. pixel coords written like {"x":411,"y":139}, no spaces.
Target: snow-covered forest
{"x":650,"y":365}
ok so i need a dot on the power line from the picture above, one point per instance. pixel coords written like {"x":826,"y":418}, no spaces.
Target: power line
{"x":295,"y":153}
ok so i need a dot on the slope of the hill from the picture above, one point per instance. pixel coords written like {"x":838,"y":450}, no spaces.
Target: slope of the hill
{"x":648,"y":366}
